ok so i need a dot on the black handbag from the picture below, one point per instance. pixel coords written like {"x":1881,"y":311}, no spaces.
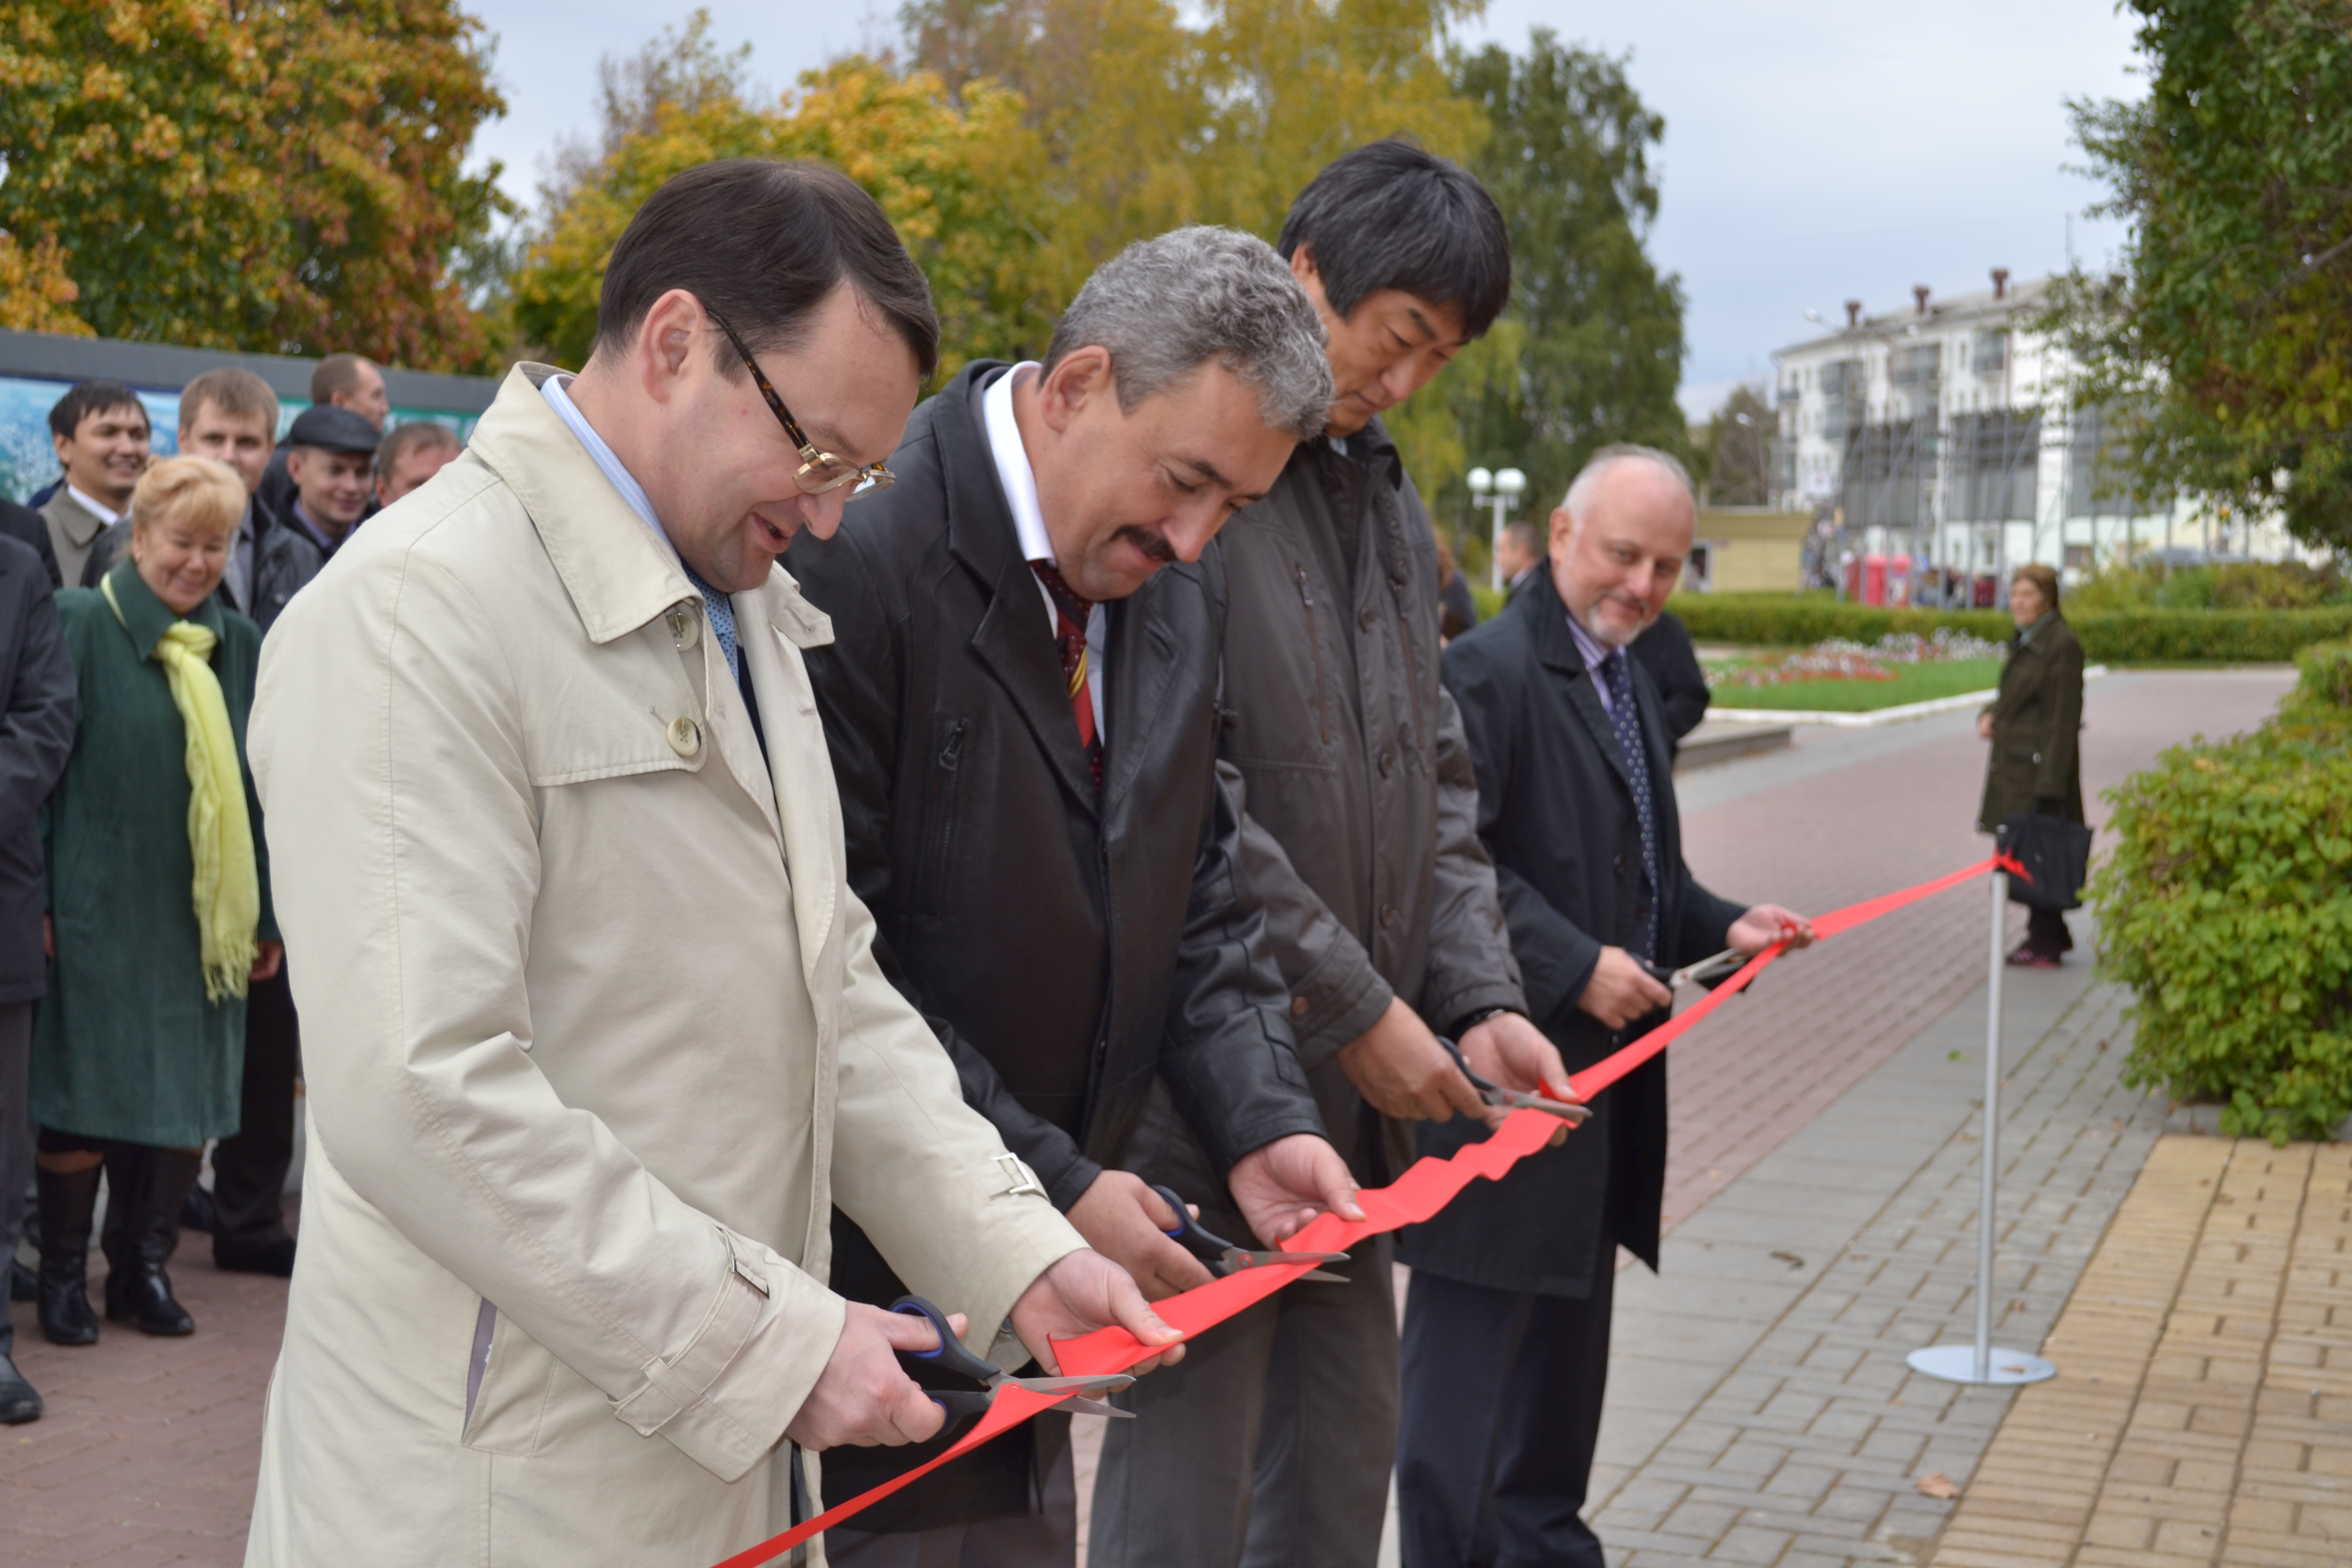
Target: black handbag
{"x":2056,"y":852}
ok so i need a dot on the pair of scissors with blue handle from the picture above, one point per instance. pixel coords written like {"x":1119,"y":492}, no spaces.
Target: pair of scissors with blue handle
{"x":1223,"y":1258}
{"x":1491,"y":1093}
{"x":951,"y":1356}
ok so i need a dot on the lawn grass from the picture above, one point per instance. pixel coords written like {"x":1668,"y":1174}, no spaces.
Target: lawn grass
{"x":1912,"y":683}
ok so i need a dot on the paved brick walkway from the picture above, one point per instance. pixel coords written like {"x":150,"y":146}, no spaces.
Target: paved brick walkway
{"x":1759,"y":1407}
{"x":2205,"y":1417}
{"x":148,"y":1452}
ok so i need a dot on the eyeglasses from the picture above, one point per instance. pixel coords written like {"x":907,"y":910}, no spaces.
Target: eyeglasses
{"x":820,"y":472}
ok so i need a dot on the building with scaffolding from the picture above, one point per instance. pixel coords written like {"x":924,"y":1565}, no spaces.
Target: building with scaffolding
{"x":1936,"y":449}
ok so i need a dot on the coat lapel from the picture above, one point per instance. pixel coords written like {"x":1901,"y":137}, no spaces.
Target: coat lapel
{"x":1013,"y":639}
{"x":1143,"y":662}
{"x":807,"y":809}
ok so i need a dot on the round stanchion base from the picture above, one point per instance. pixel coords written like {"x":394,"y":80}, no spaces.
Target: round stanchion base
{"x":1957,"y":1364}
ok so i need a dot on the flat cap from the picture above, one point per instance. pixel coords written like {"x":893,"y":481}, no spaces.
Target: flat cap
{"x":334,"y":430}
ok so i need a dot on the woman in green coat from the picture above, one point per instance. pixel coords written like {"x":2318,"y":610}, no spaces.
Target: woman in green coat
{"x":2035,"y":727}
{"x":158,"y":910}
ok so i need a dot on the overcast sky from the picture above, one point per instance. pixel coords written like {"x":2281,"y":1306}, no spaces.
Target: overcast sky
{"x":1816,"y":150}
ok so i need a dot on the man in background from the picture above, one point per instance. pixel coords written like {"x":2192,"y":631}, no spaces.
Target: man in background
{"x":1506,"y":1327}
{"x":37,"y":732}
{"x":338,"y":381}
{"x":330,"y":455}
{"x":1274,"y":1447}
{"x":102,"y":440}
{"x":1518,"y":555}
{"x":411,"y":455}
{"x":231,"y":415}
{"x":31,"y":530}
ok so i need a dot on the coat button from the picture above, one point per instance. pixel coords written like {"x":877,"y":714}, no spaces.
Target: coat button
{"x":685,"y":736}
{"x":1387,"y":763}
{"x":1366,"y":620}
{"x":685,"y":626}
{"x":1388,"y":914}
{"x":1299,"y":1006}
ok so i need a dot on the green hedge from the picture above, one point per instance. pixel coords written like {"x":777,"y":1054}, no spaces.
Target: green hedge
{"x":2227,"y":907}
{"x":2142,"y":636}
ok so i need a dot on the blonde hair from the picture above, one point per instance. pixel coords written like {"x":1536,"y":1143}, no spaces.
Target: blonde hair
{"x":198,"y":490}
{"x":237,"y":393}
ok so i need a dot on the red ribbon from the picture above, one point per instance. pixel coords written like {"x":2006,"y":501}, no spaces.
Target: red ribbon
{"x":1414,"y":1197}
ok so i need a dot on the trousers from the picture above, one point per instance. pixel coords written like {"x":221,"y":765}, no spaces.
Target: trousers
{"x":1046,"y":1539}
{"x":249,"y":1169}
{"x":1502,"y":1407}
{"x":1269,"y":1446}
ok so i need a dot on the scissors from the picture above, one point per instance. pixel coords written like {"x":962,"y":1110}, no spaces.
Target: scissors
{"x":1707,"y":971}
{"x":960,"y":1403}
{"x":1223,"y":1258}
{"x":1568,"y":1111}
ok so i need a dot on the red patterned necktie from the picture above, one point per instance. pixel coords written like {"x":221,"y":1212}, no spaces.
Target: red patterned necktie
{"x":1070,"y":614}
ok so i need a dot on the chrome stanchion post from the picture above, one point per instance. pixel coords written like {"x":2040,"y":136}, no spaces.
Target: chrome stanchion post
{"x":1980,"y":1363}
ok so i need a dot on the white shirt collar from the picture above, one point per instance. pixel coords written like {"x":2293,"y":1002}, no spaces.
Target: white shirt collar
{"x":605,"y":458}
{"x":1013,"y":468}
{"x":105,"y":514}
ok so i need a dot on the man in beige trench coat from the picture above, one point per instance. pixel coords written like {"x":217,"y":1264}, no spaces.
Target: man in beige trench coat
{"x":594,"y":1036}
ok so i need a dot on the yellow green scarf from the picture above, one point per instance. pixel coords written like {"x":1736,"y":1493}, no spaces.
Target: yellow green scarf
{"x":220,"y":834}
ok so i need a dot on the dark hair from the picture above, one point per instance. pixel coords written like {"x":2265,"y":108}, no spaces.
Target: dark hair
{"x":337,"y":373}
{"x":85,"y":398}
{"x":1390,"y":215}
{"x":763,"y":243}
{"x":406,"y":438}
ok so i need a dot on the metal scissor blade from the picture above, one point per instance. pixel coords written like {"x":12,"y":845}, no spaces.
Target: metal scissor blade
{"x":1102,"y":1383}
{"x":1722,"y":964}
{"x":1567,"y":1110}
{"x":1082,"y":1405}
{"x":1239,"y":1257}
{"x":1324,"y":1276}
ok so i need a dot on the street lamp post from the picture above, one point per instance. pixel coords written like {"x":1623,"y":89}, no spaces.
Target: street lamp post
{"x":1501,"y":491}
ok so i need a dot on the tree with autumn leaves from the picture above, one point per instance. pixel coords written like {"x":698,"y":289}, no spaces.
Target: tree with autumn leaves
{"x":284,"y":176}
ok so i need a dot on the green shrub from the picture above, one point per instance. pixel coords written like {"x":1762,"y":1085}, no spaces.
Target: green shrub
{"x":2145,"y":635}
{"x":2227,"y":907}
{"x":2224,"y":586}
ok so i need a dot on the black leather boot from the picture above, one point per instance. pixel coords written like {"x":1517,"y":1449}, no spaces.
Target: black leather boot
{"x":67,"y":1198}
{"x":151,"y":1185}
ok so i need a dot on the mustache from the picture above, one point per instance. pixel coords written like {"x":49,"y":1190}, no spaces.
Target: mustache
{"x":1154,"y":546}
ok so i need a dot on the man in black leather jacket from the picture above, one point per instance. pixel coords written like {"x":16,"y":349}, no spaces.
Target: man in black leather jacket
{"x":1021,"y":702}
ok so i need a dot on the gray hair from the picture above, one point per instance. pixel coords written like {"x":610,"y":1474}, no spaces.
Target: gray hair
{"x":1165,"y":307}
{"x":1580,"y":493}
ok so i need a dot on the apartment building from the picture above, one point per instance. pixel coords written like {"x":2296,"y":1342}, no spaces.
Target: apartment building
{"x":1940,"y":431}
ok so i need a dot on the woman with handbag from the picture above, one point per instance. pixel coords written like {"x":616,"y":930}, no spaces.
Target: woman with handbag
{"x":159,"y":903}
{"x":2035,"y":725}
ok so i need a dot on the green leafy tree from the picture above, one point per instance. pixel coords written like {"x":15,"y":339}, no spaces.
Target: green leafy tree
{"x":2223,"y":347}
{"x":286,"y":176}
{"x":1737,"y":453}
{"x":1566,"y":155}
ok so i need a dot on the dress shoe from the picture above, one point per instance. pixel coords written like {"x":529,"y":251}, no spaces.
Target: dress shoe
{"x":2026,"y":958}
{"x":68,"y":1200}
{"x":18,"y":1403}
{"x":256,"y":1257}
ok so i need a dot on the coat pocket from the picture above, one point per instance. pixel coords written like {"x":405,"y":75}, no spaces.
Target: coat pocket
{"x":509,"y":1383}
{"x":939,"y":824}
